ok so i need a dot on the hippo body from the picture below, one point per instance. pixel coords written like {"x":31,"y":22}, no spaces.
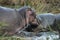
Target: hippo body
{"x":46,"y":19}
{"x":50,"y":20}
{"x":10,"y":17}
{"x":7,"y":14}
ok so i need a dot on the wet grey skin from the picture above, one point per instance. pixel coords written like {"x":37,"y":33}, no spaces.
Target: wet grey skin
{"x":49,"y":20}
{"x":46,"y":19}
{"x":10,"y":17}
{"x":14,"y":18}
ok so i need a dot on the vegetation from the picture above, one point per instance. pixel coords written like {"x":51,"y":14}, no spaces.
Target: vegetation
{"x":41,"y":6}
{"x":12,"y":38}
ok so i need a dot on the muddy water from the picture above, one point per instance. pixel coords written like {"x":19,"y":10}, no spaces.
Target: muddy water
{"x":40,"y":36}
{"x":47,"y":36}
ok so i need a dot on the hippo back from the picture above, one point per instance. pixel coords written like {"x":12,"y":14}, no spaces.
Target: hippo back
{"x":11,"y":18}
{"x":46,"y":19}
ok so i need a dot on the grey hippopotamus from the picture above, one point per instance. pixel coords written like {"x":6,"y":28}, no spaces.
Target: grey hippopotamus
{"x":16,"y":19}
{"x":46,"y":21}
{"x":49,"y":20}
{"x":10,"y":17}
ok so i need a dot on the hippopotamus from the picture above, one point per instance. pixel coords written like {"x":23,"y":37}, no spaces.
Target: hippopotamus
{"x":16,"y":19}
{"x":11,"y":18}
{"x":46,"y":21}
{"x":30,"y":18}
{"x":41,"y":19}
{"x":49,"y":20}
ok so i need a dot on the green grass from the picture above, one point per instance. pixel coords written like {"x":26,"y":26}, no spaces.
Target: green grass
{"x":14,"y":38}
{"x":9,"y":38}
